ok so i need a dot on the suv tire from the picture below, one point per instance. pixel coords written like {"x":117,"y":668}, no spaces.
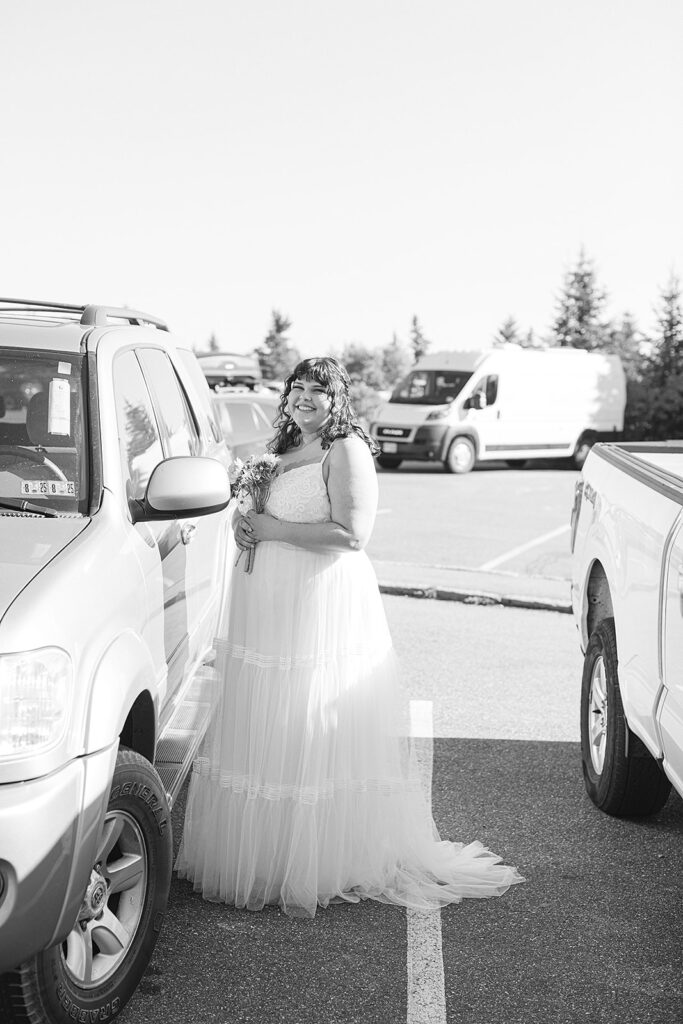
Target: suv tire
{"x":72,"y":980}
{"x":389,"y":461}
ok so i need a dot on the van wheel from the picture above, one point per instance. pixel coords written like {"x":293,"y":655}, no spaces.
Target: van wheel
{"x":389,"y":461}
{"x":621,"y":776}
{"x":583,"y":447}
{"x":94,"y":972}
{"x":461,"y":455}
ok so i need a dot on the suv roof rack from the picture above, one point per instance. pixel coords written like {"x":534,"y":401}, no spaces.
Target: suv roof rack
{"x":89,"y":316}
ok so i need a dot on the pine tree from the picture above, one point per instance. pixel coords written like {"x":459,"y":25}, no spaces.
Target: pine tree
{"x":667,"y":358}
{"x":581,"y":304}
{"x":626,"y":341}
{"x":418,"y":342}
{"x":277,"y":357}
{"x":507,"y":333}
{"x":395,"y":361}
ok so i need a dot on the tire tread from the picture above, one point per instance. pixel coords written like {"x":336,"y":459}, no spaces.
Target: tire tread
{"x":632,"y":782}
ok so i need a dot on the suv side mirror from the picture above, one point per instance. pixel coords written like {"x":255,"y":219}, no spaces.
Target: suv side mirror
{"x":182,"y":487}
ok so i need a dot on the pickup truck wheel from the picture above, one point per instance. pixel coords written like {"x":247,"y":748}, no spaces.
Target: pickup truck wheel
{"x":461,"y":455}
{"x":389,"y":461}
{"x":621,"y":776}
{"x":94,"y":972}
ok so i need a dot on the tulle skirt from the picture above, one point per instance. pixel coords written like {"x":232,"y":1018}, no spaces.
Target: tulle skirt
{"x":305,"y":791}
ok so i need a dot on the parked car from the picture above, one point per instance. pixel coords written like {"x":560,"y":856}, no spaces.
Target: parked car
{"x":627,"y":597}
{"x":462,"y":408}
{"x":223,"y":369}
{"x":246,"y":419}
{"x":113,"y":525}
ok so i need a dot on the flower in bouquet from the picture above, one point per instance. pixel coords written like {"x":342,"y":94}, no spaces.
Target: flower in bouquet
{"x":251,"y":487}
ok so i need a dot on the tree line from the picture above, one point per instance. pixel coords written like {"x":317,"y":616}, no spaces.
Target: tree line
{"x":653,"y":363}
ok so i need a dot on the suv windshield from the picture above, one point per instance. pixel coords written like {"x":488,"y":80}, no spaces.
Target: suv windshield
{"x":42,"y":449}
{"x":430,"y":387}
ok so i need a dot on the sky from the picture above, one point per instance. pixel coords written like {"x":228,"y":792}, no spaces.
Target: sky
{"x":349,"y":163}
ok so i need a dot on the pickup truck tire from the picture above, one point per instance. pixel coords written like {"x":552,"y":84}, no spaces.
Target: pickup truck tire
{"x":389,"y":461}
{"x":122,"y":912}
{"x":461,"y":455}
{"x":621,"y":776}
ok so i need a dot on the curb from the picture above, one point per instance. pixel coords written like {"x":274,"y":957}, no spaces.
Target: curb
{"x":477,"y":597}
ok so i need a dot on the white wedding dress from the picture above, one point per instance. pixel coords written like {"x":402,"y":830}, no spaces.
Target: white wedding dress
{"x":305,"y":792}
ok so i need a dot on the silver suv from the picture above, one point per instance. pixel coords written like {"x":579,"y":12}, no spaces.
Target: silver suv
{"x":113,"y":525}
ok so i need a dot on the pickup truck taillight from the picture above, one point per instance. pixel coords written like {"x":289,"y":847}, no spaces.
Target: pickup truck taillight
{"x":578,"y":494}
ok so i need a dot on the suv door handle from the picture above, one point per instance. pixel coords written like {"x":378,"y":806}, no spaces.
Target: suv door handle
{"x":187,"y":532}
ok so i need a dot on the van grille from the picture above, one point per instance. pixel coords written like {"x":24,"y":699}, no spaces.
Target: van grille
{"x":395,"y":433}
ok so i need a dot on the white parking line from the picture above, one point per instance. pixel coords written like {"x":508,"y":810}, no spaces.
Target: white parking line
{"x":522,"y":548}
{"x":426,"y":986}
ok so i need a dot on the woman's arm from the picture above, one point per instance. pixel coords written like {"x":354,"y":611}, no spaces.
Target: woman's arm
{"x":352,"y":488}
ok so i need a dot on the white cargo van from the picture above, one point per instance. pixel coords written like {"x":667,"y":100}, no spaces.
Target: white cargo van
{"x":460,"y":408}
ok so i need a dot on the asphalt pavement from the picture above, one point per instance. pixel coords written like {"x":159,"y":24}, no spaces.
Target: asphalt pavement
{"x":595,"y":932}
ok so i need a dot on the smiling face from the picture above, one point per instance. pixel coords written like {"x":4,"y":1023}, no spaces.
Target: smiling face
{"x":309,"y":405}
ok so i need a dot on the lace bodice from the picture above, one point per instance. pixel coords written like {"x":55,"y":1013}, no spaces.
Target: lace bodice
{"x":299,"y":495}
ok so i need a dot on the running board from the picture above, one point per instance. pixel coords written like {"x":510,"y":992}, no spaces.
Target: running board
{"x":180,"y":740}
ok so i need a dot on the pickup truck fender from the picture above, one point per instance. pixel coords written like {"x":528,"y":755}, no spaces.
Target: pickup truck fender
{"x":597,"y":586}
{"x":124,"y":673}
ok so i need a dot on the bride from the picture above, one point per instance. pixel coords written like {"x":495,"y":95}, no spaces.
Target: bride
{"x":305,"y":791}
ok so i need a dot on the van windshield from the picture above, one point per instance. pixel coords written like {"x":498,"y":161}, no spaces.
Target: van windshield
{"x":430,"y":387}
{"x":42,"y":447}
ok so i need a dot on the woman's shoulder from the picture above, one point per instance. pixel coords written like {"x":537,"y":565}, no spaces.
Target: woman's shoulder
{"x":349,"y":447}
{"x":349,"y":454}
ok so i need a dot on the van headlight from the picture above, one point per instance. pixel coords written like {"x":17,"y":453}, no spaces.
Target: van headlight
{"x":440,"y":413}
{"x":35,"y":697}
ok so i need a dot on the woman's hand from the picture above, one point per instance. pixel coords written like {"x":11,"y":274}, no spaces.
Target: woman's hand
{"x":243,"y":533}
{"x":261,"y":526}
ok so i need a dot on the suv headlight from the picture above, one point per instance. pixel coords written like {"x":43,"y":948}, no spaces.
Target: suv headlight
{"x":35,"y":697}
{"x":440,"y":413}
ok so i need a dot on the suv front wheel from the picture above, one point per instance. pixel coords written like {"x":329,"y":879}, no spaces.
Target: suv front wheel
{"x":94,"y":972}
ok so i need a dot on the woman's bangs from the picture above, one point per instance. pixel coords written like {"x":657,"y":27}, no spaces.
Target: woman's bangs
{"x":318,"y":372}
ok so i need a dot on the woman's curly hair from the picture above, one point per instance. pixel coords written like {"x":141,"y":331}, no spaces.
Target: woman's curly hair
{"x":332,"y":376}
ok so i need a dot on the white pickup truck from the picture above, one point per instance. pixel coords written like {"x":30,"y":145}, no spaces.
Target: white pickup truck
{"x":627,"y":598}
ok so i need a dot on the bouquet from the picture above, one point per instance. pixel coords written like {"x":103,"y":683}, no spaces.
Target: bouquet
{"x":251,"y":482}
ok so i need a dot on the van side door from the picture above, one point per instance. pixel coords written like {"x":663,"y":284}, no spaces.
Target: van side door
{"x":484,"y":413}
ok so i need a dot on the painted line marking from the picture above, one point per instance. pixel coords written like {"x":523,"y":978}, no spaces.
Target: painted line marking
{"x":426,"y":983}
{"x":522,"y":548}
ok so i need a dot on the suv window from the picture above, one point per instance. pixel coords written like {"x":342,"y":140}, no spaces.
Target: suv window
{"x":203,"y":409}
{"x":180,"y":432}
{"x":139,"y":439}
{"x":43,"y":455}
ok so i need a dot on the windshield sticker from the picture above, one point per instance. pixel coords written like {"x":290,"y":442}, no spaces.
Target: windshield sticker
{"x":59,"y":414}
{"x":48,"y":488}
{"x":63,"y":367}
